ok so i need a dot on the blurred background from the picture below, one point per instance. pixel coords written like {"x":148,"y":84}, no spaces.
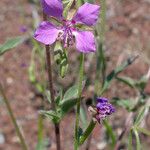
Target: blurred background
{"x":127,"y":34}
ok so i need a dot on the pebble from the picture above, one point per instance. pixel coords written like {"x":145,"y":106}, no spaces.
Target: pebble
{"x":2,"y":138}
{"x":9,"y":80}
{"x":101,"y":145}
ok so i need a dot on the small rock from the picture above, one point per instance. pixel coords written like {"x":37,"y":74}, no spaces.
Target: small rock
{"x":101,"y":145}
{"x":135,"y":31}
{"x":9,"y":80}
{"x":2,"y":138}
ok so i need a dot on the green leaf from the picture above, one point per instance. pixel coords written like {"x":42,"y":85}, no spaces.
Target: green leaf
{"x":65,"y":2}
{"x":42,"y":145}
{"x":138,"y":144}
{"x":41,"y":142}
{"x":125,"y":103}
{"x":87,"y":132}
{"x":10,"y":43}
{"x":66,"y":106}
{"x":31,"y":72}
{"x":59,"y":98}
{"x":48,"y":96}
{"x":127,"y":80}
{"x":52,"y":115}
{"x":64,"y":67}
{"x":110,"y":132}
{"x":67,"y":8}
{"x":143,"y":130}
{"x":141,"y":115}
{"x":79,"y":2}
{"x":71,"y":93}
{"x":80,"y":132}
{"x":141,"y":84}
{"x":83,"y":117}
{"x":69,"y":100}
{"x":115,"y":72}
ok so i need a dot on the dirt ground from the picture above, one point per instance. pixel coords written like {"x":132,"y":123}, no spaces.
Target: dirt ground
{"x":128,"y":30}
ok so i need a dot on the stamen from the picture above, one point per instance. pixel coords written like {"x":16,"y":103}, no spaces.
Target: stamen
{"x":66,"y":35}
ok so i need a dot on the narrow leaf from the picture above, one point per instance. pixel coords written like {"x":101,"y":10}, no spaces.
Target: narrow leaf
{"x":52,"y":115}
{"x":110,"y":132}
{"x":130,"y":141}
{"x":83,"y":116}
{"x":41,"y":143}
{"x":67,"y":8}
{"x":143,"y":130}
{"x":138,"y":144}
{"x":66,"y":106}
{"x":115,"y":72}
{"x":127,"y":80}
{"x":141,"y":115}
{"x":71,"y":93}
{"x":10,"y":43}
{"x":125,"y":103}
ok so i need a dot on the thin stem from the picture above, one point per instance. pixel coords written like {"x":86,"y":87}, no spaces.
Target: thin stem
{"x":76,"y":141}
{"x":110,"y":132}
{"x":87,"y":132}
{"x":51,"y":90}
{"x":22,"y":141}
{"x":40,"y":129}
{"x":50,"y":79}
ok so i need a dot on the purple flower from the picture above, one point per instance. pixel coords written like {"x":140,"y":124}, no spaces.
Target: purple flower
{"x":104,"y":108}
{"x":23,"y":29}
{"x":68,"y":33}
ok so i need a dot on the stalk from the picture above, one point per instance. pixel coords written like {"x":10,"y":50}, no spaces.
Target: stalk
{"x":22,"y":141}
{"x":51,"y":90}
{"x":76,"y":140}
{"x":100,"y":67}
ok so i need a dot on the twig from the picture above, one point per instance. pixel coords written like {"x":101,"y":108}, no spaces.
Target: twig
{"x":51,"y":89}
{"x":22,"y":141}
{"x":81,"y":70}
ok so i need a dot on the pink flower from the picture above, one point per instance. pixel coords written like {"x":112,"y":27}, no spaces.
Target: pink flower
{"x":48,"y":33}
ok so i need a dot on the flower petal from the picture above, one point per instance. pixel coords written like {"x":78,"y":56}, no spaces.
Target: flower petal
{"x":102,"y":100}
{"x":46,"y":33}
{"x":87,"y":14}
{"x":85,"y":41}
{"x":53,"y":8}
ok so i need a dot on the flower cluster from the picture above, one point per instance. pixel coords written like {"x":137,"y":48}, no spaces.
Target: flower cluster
{"x":102,"y":109}
{"x":67,"y":32}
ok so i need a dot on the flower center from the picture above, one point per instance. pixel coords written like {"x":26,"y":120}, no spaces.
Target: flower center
{"x":67,"y":33}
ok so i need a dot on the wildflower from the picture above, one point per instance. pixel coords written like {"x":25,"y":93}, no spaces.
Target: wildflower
{"x":23,"y":29}
{"x":68,"y":33}
{"x":102,"y":109}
